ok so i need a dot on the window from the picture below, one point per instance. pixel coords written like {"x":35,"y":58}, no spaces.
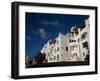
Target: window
{"x":76,"y":32}
{"x":52,"y":41}
{"x":72,"y":34}
{"x":75,"y":55}
{"x":73,"y":47}
{"x":48,"y":54}
{"x":83,"y":54}
{"x":67,"y":48}
{"x":72,"y":40}
{"x":84,"y":35}
{"x":78,"y":40}
{"x":58,"y":49}
{"x":57,"y":57}
{"x":88,"y":51}
{"x":54,"y":57}
{"x":62,"y":55}
{"x":85,"y":45}
{"x":89,"y":25}
{"x":50,"y":59}
{"x":54,"y":50}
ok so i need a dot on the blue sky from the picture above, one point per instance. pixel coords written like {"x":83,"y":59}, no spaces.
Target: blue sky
{"x":41,"y":27}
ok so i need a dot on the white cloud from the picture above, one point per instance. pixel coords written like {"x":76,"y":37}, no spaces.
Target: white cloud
{"x":28,"y":38}
{"x":40,"y":32}
{"x":52,"y":23}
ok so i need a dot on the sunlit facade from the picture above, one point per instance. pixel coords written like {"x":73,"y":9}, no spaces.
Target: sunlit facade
{"x":74,"y":46}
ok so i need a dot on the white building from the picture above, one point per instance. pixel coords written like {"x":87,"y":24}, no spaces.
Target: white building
{"x":74,"y":46}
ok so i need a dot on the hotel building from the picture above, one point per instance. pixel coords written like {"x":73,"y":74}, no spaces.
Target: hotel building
{"x":74,"y":46}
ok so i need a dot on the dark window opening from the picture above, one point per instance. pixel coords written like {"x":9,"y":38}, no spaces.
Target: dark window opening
{"x":52,"y":41}
{"x":72,"y":40}
{"x":57,"y":57}
{"x":83,"y":54}
{"x":76,"y":31}
{"x":54,"y":57}
{"x":69,"y":40}
{"x":66,"y":48}
{"x":58,"y":49}
{"x":75,"y":54}
{"x":84,"y":35}
{"x":85,"y":45}
{"x":48,"y":54}
{"x":62,"y":55}
{"x":78,"y":40}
